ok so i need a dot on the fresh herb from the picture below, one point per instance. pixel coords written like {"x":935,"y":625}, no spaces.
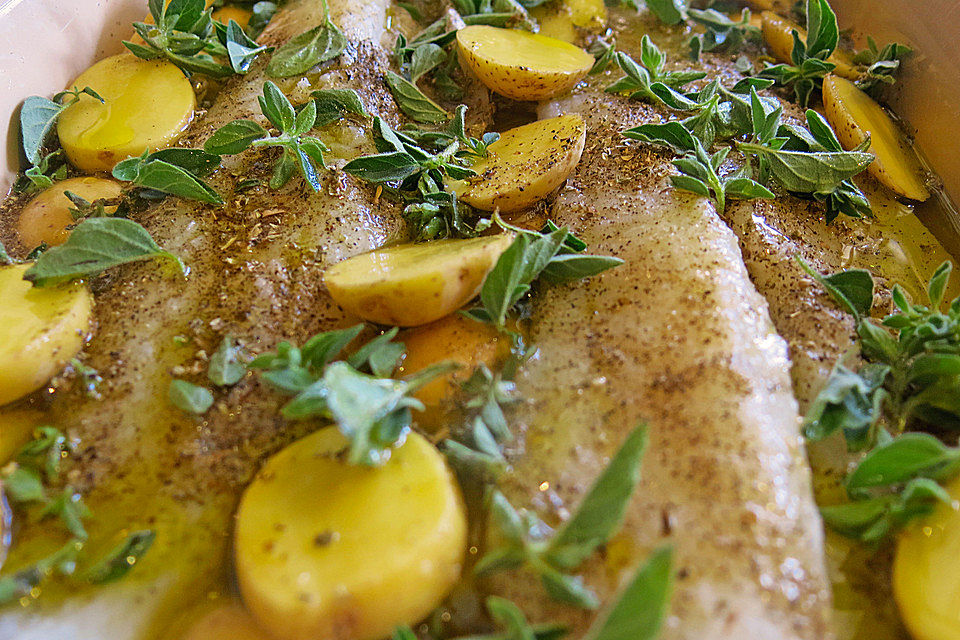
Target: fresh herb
{"x":185,"y":34}
{"x":88,"y":378}
{"x":22,"y":583}
{"x":553,"y":255}
{"x":911,"y":379}
{"x":496,"y":13}
{"x":299,"y":151}
{"x":508,"y":616}
{"x":96,"y":244}
{"x":305,"y":51}
{"x":369,"y":407}
{"x":119,"y":560}
{"x":413,"y":102}
{"x":226,"y":364}
{"x":38,"y":115}
{"x":170,"y":173}
{"x":262,"y":14}
{"x":334,"y":104}
{"x":809,"y":58}
{"x":4,"y":256}
{"x":640,"y":607}
{"x":881,"y":65}
{"x":51,"y":168}
{"x":189,"y":398}
{"x":649,"y":81}
{"x":527,"y":541}
{"x":699,"y":174}
{"x":604,"y":53}
{"x":668,"y":11}
{"x":722,"y":33}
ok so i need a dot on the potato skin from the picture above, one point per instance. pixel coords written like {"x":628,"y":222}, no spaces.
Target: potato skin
{"x":526,"y":164}
{"x":778,"y":34}
{"x":854,"y":115}
{"x":325,"y":549}
{"x":40,"y":330}
{"x":413,"y":284}
{"x":500,"y":59}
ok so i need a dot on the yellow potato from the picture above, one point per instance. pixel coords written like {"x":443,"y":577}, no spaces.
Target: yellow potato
{"x":522,"y":65}
{"x":226,"y":622}
{"x":148,"y":103}
{"x":778,"y":34}
{"x":926,"y":573}
{"x":40,"y":330}
{"x":555,"y":21}
{"x":47,"y":216}
{"x":325,"y":549}
{"x":412,"y":284}
{"x":525,"y":164}
{"x":452,"y":339}
{"x":854,"y":115}
{"x":240,"y":15}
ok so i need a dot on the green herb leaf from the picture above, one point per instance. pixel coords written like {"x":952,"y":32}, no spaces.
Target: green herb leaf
{"x":69,"y":507}
{"x":908,"y":456}
{"x":307,"y":50}
{"x":602,"y":509}
{"x":189,"y":398}
{"x":121,"y":559}
{"x":37,"y":117}
{"x":668,"y":11}
{"x":873,"y":519}
{"x":241,"y":49}
{"x":333,"y":104}
{"x":225,"y":367}
{"x":151,"y":172}
{"x":852,"y":289}
{"x":639,"y":609}
{"x":234,"y":137}
{"x":96,"y":244}
{"x":413,"y":102}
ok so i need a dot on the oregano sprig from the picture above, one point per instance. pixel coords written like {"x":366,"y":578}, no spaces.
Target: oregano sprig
{"x":303,"y":52}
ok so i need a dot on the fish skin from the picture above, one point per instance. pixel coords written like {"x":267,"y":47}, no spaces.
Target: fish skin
{"x":678,"y":337}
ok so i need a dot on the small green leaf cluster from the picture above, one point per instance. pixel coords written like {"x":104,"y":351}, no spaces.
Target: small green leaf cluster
{"x":414,"y":164}
{"x":510,"y":618}
{"x":911,"y":379}
{"x":304,"y":52}
{"x":430,"y":53}
{"x":299,"y":150}
{"x":28,"y":483}
{"x":51,"y":168}
{"x":722,"y":34}
{"x":371,"y":408}
{"x":527,"y":542}
{"x":185,"y":33}
{"x":553,"y":255}
{"x":648,"y":79}
{"x":227,"y":366}
{"x":809,"y":58}
{"x":881,"y":65}
{"x":803,"y":160}
{"x":511,"y":14}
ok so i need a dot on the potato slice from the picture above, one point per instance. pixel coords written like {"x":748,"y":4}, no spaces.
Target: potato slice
{"x":148,"y":104}
{"x":40,"y":330}
{"x":854,"y":115}
{"x":412,"y":284}
{"x":522,"y":65}
{"x":47,"y":216}
{"x":525,"y":164}
{"x":926,"y":573}
{"x":778,"y":34}
{"x":453,"y":339}
{"x":325,"y":549}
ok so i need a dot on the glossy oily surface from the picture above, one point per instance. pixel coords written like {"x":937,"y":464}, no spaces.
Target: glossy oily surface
{"x":46,"y":218}
{"x":40,"y":330}
{"x":326,"y":549}
{"x":147,"y":105}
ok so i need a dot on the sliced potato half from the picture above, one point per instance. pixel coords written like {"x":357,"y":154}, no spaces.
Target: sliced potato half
{"x":40,"y":330}
{"x":778,"y":34}
{"x":854,"y":115}
{"x":147,"y":105}
{"x":328,"y":550}
{"x":525,"y":164}
{"x":926,"y":573}
{"x":522,"y":65}
{"x":47,"y":217}
{"x":412,"y":284}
